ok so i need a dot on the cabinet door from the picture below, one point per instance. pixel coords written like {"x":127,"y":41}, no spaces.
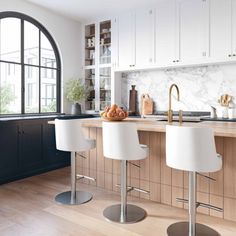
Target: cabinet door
{"x":126,"y":41}
{"x":114,"y":40}
{"x":9,"y":161}
{"x":31,"y":144}
{"x":144,"y":37}
{"x":220,"y":29}
{"x":233,"y":28}
{"x":193,"y":29}
{"x":166,"y":32}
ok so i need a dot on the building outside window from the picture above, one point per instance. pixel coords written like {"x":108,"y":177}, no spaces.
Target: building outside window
{"x":29,"y":67}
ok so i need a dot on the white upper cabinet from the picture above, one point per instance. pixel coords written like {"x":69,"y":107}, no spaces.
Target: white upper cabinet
{"x":176,"y":32}
{"x":126,"y":40}
{"x":144,"y":37}
{"x":166,"y":33}
{"x":193,"y":29}
{"x":233,"y":10}
{"x":220,"y":29}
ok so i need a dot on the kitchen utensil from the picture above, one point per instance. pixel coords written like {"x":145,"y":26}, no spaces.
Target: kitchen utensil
{"x":146,"y":105}
{"x":225,"y":99}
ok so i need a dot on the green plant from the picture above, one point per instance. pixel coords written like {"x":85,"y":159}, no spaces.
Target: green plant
{"x":6,"y":97}
{"x":75,"y":90}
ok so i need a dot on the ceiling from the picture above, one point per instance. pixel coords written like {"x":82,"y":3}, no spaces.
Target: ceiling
{"x":83,"y":10}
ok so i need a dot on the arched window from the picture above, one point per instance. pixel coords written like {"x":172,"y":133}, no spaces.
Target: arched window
{"x":30,"y":67}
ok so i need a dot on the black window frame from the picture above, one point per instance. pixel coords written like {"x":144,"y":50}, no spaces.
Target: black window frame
{"x":24,"y":17}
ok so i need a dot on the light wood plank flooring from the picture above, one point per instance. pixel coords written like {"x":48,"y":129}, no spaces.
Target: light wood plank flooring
{"x":27,"y":207}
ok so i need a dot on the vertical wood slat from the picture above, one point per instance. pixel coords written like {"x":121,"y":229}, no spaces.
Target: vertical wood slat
{"x":229,"y":167}
{"x":155,"y":192}
{"x":86,"y":154}
{"x":177,"y":192}
{"x":216,"y":201}
{"x":144,"y":164}
{"x":155,"y":157}
{"x":93,"y":156}
{"x":85,"y":161}
{"x":100,"y":161}
{"x":164,"y":183}
{"x":165,"y":170}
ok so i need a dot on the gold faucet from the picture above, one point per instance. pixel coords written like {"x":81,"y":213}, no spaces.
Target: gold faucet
{"x":170,"y":112}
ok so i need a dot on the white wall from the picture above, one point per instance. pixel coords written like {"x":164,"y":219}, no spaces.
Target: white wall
{"x":66,"y":33}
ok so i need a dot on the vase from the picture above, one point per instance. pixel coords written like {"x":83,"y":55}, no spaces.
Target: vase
{"x":76,"y":109}
{"x":133,"y":100}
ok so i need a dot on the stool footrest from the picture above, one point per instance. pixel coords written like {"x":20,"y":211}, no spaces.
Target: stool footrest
{"x":134,"y":164}
{"x":209,"y":206}
{"x":130,"y":188}
{"x":82,"y":155}
{"x":84,"y":177}
{"x":205,"y":176}
{"x":181,"y":200}
{"x":201,"y":204}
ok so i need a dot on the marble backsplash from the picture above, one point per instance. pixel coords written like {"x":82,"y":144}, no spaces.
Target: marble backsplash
{"x":199,"y":87}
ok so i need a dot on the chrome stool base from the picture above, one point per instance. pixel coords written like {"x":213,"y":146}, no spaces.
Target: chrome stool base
{"x":182,"y":229}
{"x":81,"y":197}
{"x":133,"y":214}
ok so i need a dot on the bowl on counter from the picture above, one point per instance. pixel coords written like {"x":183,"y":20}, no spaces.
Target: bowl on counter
{"x":113,"y":118}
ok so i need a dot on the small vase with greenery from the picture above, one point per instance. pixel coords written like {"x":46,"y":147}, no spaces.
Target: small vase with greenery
{"x":75,"y":92}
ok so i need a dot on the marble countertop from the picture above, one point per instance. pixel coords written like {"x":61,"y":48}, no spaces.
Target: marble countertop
{"x":223,"y":129}
{"x":44,"y":116}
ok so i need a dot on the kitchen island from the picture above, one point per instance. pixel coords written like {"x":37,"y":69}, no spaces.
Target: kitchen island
{"x":164,"y":183}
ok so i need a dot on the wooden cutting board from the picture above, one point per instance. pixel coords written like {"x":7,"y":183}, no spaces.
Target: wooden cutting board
{"x":146,"y":105}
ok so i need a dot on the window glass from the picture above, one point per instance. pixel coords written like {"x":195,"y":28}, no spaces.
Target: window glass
{"x":31,"y":44}
{"x":48,"y":58}
{"x":10,"y":88}
{"x":38,"y":83}
{"x":48,"y":90}
{"x":31,"y":89}
{"x":10,"y":39}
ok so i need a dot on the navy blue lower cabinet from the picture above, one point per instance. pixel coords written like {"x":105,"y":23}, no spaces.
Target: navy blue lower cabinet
{"x":28,"y":147}
{"x":9,"y":149}
{"x":31,"y":144}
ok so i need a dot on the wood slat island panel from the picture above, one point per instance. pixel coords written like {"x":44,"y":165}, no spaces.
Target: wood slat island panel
{"x":164,"y":183}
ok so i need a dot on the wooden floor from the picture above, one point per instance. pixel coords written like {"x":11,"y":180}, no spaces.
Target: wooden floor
{"x":27,"y":207}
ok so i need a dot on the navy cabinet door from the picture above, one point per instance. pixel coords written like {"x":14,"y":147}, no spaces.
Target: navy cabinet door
{"x":31,"y":148}
{"x":9,"y":138}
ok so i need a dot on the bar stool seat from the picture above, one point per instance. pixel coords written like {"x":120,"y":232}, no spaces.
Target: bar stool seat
{"x":120,"y":142}
{"x":70,"y":137}
{"x":192,"y":149}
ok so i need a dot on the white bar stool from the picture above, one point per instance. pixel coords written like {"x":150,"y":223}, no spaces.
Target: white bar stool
{"x":120,"y":142}
{"x":192,"y":149}
{"x":70,"y":138}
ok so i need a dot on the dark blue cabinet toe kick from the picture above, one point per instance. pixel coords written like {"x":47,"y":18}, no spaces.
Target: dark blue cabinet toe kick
{"x":28,"y":147}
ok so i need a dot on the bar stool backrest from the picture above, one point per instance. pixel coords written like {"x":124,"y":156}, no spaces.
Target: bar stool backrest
{"x":191,"y":149}
{"x":70,"y":136}
{"x":121,"y":142}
